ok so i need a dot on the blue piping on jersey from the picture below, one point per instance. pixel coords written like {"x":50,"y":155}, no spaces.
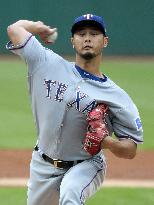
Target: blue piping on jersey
{"x":10,"y":46}
{"x":85,"y":74}
{"x":130,"y":138}
{"x":81,"y":196}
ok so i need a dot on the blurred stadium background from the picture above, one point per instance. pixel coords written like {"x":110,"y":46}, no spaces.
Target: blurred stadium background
{"x":130,"y":24}
{"x":129,"y":61}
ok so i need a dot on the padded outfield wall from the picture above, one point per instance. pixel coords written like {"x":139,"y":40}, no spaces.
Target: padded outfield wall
{"x":130,"y":24}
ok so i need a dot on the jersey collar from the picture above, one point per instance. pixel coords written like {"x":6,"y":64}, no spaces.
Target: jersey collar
{"x":85,"y":74}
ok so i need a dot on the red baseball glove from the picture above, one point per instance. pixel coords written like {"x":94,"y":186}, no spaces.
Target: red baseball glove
{"x":97,"y":130}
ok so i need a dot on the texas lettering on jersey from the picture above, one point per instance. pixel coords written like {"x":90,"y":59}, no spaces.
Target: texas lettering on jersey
{"x":56,"y":90}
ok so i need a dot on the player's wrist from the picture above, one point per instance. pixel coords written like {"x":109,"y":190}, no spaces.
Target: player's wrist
{"x":107,"y":142}
{"x":34,"y":27}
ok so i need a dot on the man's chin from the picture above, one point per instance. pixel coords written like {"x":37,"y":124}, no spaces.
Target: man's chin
{"x":88,"y":56}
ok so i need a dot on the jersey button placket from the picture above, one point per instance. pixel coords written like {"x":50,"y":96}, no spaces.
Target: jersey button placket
{"x":59,"y":139}
{"x":78,"y":86}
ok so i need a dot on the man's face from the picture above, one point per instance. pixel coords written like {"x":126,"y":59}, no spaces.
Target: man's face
{"x":88,"y":42}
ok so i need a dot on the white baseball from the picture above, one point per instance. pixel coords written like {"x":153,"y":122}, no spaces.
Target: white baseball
{"x":53,"y":37}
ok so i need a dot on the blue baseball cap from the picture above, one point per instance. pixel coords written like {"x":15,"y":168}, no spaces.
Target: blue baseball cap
{"x":89,"y":20}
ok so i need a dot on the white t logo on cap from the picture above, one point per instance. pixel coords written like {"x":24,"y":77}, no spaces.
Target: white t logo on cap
{"x":88,"y":16}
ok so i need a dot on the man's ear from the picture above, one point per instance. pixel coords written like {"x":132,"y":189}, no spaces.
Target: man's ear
{"x":72,"y":41}
{"x":106,"y":40}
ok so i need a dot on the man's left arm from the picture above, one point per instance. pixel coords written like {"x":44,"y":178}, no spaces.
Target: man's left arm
{"x":125,"y":148}
{"x":126,"y":127}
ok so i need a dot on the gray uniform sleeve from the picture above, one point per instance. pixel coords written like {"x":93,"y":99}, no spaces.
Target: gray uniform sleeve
{"x":31,"y":51}
{"x":127,"y":124}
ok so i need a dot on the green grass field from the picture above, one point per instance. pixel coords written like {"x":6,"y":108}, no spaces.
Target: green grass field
{"x":108,"y":196}
{"x":17,"y":129}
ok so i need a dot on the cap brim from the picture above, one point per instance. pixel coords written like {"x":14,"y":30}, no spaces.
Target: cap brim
{"x":93,"y":23}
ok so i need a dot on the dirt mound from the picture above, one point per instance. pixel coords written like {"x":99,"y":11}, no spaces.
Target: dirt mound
{"x":15,"y":163}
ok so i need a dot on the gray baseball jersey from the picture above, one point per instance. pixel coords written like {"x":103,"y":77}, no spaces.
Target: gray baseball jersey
{"x":62,"y":94}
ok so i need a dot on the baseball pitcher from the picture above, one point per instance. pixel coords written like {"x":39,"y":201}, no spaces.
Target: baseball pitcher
{"x":76,"y":109}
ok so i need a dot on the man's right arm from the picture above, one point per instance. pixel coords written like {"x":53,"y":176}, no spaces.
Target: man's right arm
{"x":20,"y":31}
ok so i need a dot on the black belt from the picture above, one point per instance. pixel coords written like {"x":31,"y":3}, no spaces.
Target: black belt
{"x":57,"y":162}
